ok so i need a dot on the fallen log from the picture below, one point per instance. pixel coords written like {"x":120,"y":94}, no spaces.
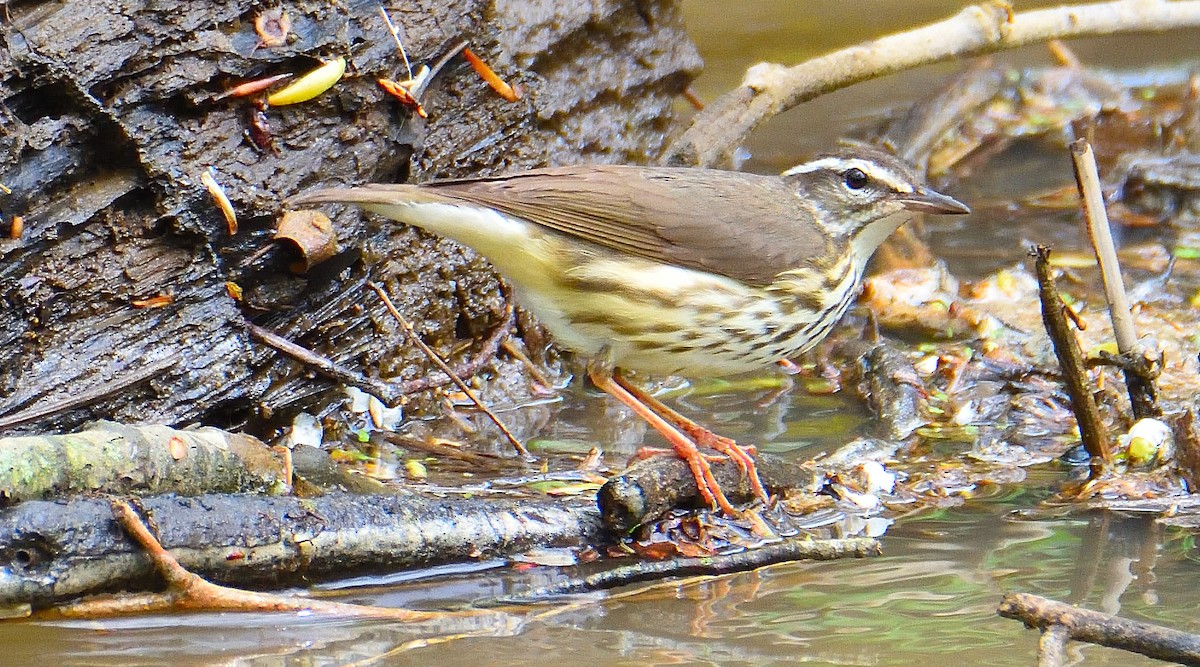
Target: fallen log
{"x":117,"y":458}
{"x":56,"y":551}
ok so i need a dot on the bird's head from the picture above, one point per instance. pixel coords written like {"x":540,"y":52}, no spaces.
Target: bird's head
{"x":861,"y":195}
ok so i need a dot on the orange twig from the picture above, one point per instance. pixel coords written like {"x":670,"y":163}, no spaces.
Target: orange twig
{"x":499,"y":85}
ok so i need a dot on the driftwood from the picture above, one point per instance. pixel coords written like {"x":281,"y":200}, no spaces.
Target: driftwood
{"x":55,"y":551}
{"x":187,"y":592}
{"x":1062,"y":622}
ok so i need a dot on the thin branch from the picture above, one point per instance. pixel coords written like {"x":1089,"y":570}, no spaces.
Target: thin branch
{"x":440,"y":363}
{"x":1100,"y":235}
{"x":769,"y":89}
{"x":742,"y":561}
{"x":1141,"y":386}
{"x":388,"y":392}
{"x":1094,"y":627}
{"x":391,"y":393}
{"x":387,"y":19}
{"x":1070,"y":359}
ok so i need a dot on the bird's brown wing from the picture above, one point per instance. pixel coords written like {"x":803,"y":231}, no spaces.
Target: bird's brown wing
{"x":746,"y":227}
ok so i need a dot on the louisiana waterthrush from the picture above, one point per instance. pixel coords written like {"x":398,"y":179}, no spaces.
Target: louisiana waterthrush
{"x":694,"y":272}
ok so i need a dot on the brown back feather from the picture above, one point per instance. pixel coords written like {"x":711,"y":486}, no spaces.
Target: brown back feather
{"x":746,"y":227}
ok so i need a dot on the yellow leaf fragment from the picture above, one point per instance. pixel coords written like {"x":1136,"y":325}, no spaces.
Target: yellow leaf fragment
{"x":310,"y":85}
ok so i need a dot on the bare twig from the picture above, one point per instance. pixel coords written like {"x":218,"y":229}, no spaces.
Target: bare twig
{"x":1100,"y":235}
{"x":1091,"y":428}
{"x":387,"y":19}
{"x":487,"y":352}
{"x":388,"y":392}
{"x":438,"y":449}
{"x":536,"y":373}
{"x":1094,"y":627}
{"x":440,"y":363}
{"x":769,"y":89}
{"x":1138,"y":380}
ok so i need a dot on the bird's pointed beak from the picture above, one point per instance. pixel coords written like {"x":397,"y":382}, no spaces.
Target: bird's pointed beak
{"x":929,"y":201}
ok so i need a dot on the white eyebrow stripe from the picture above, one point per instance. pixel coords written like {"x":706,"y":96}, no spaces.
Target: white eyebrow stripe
{"x":875,"y":170}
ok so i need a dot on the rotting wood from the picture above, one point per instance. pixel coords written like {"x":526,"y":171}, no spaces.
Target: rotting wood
{"x":117,"y":385}
{"x":1095,"y":627}
{"x":112,"y":112}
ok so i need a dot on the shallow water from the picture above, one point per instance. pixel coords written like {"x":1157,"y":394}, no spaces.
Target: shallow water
{"x":932,"y":596}
{"x":930,"y":599}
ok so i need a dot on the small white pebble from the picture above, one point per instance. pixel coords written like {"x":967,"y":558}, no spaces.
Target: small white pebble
{"x":306,"y":430}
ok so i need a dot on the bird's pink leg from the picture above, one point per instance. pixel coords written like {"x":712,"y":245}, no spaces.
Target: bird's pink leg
{"x":684,"y":447}
{"x":741,"y":456}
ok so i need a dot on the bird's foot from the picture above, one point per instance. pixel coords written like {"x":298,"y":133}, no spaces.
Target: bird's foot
{"x":700,"y":465}
{"x":706,"y":483}
{"x":668,"y":423}
{"x":742,"y":456}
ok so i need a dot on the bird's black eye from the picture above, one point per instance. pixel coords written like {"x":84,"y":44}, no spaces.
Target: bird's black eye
{"x":855,"y":179}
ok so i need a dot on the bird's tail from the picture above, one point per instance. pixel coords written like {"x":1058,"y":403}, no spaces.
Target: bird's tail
{"x":374,"y":194}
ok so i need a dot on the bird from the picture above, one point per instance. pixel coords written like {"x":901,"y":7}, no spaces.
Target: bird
{"x":674,"y":270}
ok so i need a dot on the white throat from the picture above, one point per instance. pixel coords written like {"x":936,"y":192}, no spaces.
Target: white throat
{"x":867,"y":241}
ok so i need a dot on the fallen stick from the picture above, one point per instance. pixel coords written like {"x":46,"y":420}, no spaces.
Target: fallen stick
{"x":187,"y":592}
{"x":1094,"y":627}
{"x":1070,"y":359}
{"x":780,"y":552}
